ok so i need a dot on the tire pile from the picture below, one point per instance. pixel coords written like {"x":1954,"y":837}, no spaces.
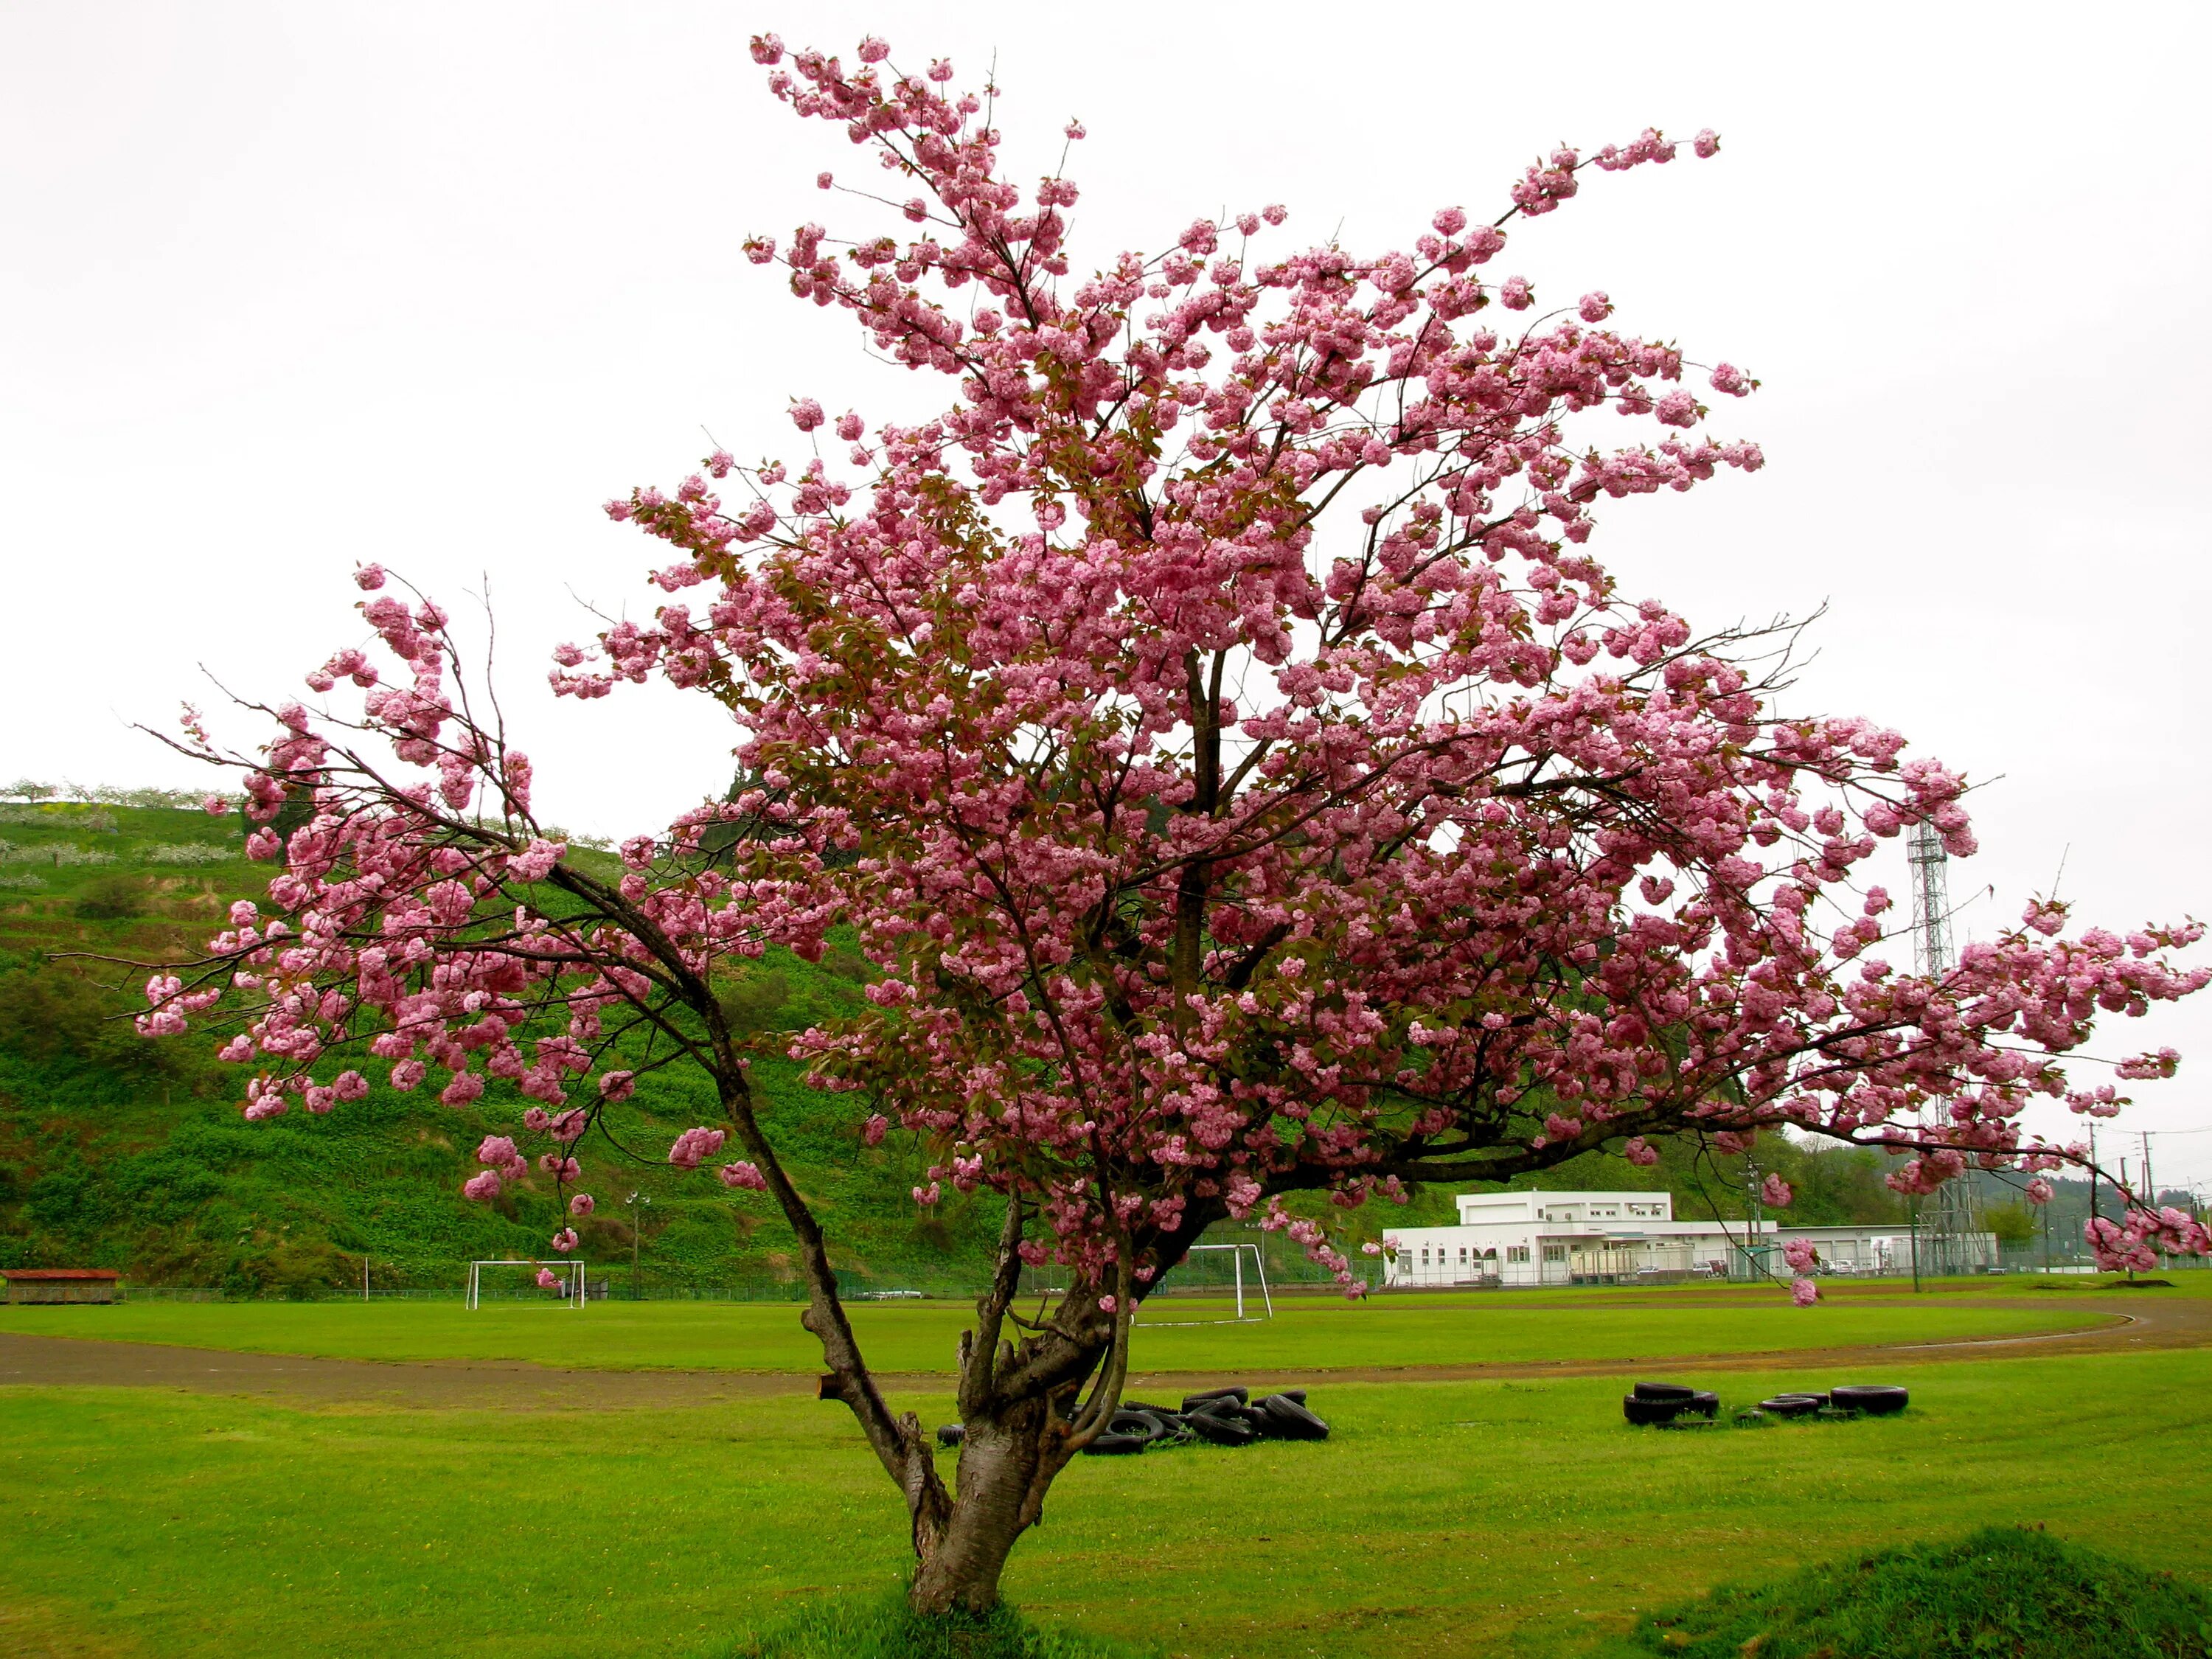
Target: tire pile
{"x":1219,"y":1417}
{"x":1667,"y":1404}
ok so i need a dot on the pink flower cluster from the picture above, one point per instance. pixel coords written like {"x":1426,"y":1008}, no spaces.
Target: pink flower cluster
{"x":695,"y":1147}
{"x":2136,"y":1241}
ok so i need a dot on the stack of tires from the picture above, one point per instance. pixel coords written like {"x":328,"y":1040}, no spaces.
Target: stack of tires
{"x":1218,"y":1417}
{"x":1662,"y":1404}
{"x":1650,"y":1403}
{"x":1856,"y":1400}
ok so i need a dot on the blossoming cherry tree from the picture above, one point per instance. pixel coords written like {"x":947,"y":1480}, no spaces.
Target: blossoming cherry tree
{"x":1241,"y":773}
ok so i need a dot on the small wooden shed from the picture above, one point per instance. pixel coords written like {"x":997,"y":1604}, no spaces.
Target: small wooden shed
{"x":60,"y":1283}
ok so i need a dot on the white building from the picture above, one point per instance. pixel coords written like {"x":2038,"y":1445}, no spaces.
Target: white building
{"x":1521,"y":1239}
{"x":1565,"y":1238}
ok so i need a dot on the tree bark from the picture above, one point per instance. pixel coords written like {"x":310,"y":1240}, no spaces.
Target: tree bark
{"x":1006,"y":1463}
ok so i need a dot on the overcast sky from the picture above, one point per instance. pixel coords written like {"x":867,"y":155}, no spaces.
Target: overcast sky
{"x":284,"y":287}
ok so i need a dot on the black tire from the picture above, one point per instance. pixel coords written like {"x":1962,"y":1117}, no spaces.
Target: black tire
{"x":1192,"y":1402}
{"x":1115,"y":1445}
{"x":1793,"y":1405}
{"x":952,"y":1434}
{"x":1875,"y":1399}
{"x":1289,"y":1419}
{"x":1646,"y":1412}
{"x":1295,"y":1395}
{"x":1129,"y":1421}
{"x":1705,"y":1403}
{"x":1218,"y":1431}
{"x":1664,"y":1391}
{"x":1161,"y":1412}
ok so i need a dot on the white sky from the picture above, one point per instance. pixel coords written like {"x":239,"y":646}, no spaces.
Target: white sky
{"x":284,"y":287}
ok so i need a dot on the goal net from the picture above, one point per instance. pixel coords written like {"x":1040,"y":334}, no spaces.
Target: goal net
{"x":1236,"y":1273}
{"x":543,"y":1284}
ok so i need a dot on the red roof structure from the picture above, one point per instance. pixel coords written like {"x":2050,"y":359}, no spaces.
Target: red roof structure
{"x":60,"y":1285}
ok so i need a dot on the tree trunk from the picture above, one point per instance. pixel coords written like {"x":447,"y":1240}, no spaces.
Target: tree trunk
{"x":1007,"y":1462}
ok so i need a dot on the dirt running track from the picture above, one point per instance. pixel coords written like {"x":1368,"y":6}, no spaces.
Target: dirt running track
{"x":2152,"y":1320}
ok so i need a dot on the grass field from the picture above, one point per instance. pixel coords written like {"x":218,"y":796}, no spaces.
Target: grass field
{"x":1444,"y":1518}
{"x":1308,"y":1331}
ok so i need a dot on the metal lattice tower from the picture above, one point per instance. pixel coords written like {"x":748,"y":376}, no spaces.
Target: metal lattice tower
{"x":1931,"y":901}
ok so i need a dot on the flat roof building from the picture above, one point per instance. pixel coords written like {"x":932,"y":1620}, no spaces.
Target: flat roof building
{"x":1532,"y":1238}
{"x":1526,"y":1239}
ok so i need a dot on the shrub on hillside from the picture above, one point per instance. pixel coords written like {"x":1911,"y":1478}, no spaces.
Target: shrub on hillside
{"x":756,"y":1002}
{"x":112,"y":898}
{"x":2002,"y":1591}
{"x":48,"y":1015}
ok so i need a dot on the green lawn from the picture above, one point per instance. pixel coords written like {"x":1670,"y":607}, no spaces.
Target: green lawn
{"x":1444,"y":1518}
{"x":1308,"y":1331}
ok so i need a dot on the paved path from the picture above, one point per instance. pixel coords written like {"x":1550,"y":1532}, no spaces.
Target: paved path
{"x":2151,"y":1320}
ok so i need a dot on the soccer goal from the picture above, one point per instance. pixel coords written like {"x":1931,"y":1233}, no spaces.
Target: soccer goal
{"x":1236,"y":1253}
{"x":568,"y":1286}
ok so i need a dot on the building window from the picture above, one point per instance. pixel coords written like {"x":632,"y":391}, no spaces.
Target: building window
{"x":1517,"y":1253}
{"x":1462,"y":1255}
{"x":1555,"y":1253}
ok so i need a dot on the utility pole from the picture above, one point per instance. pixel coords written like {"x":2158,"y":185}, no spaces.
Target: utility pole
{"x":364,"y":1278}
{"x":2124,"y":1214}
{"x":1931,"y":939}
{"x":1753,"y":1258}
{"x":2093,"y":1216}
{"x":1916,"y":1246}
{"x":636,"y":1202}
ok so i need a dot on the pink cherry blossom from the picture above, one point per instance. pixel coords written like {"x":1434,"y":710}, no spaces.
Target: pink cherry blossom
{"x":1804,"y":1292}
{"x":565,"y":1240}
{"x":582,"y":1205}
{"x":1774,"y":1193}
{"x":695,"y":1147}
{"x":536,"y":861}
{"x":743,"y":1174}
{"x":499,"y":1152}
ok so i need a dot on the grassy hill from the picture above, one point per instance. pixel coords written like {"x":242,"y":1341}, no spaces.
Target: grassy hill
{"x":121,"y":1153}
{"x":116,"y":1151}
